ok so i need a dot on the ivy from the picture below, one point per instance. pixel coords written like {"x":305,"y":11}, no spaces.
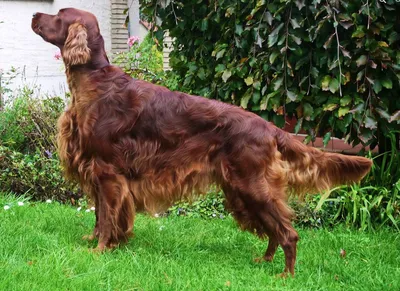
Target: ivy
{"x":333,"y":65}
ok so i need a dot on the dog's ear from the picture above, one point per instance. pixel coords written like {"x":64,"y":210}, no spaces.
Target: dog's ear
{"x":76,"y":50}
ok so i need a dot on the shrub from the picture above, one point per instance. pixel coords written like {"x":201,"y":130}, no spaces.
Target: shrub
{"x":334,"y":65}
{"x":143,"y":61}
{"x":35,"y":175}
{"x":210,"y":206}
{"x":28,"y":160}
{"x":28,"y":122}
{"x":376,"y":201}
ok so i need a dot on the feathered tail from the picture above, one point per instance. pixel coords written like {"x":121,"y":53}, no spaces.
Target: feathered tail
{"x":312,"y":170}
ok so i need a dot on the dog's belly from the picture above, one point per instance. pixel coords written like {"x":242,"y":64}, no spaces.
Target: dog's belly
{"x":156,"y":192}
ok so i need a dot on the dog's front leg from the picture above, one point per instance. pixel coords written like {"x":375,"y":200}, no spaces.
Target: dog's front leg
{"x":95,"y":234}
{"x":116,"y":211}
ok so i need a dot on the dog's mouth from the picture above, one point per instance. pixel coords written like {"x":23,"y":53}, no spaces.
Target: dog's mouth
{"x":36,"y":25}
{"x":38,"y":30}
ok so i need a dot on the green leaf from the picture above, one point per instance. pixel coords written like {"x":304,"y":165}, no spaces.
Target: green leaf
{"x":278,"y":83}
{"x":300,"y":4}
{"x":395,"y":116}
{"x":377,"y":86}
{"x":292,"y":96}
{"x":360,"y":74}
{"x":219,"y":68}
{"x":264,"y":89}
{"x":334,"y":85}
{"x":370,"y":122}
{"x":220,"y":54}
{"x":325,"y":82}
{"x":383,"y":113}
{"x":296,"y":39}
{"x":327,"y":138}
{"x":264,"y":103}
{"x":359,"y":33}
{"x":268,"y":18}
{"x":294,"y":23}
{"x":201,"y":74}
{"x":204,"y":24}
{"x":343,"y":111}
{"x":308,"y":110}
{"x":226,"y":75}
{"x":245,"y":99}
{"x":298,"y":125}
{"x":238,"y":29}
{"x":345,"y":100}
{"x":273,"y":56}
{"x":249,"y":81}
{"x":273,"y":37}
{"x":256,"y":96}
{"x":330,"y":107}
{"x":362,"y":60}
{"x":387,"y":83}
{"x":257,"y":85}
{"x":301,"y":62}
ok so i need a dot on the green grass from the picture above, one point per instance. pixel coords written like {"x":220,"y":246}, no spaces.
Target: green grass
{"x":41,"y":249}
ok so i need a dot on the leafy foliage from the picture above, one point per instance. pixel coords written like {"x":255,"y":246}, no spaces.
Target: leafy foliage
{"x":334,"y":65}
{"x":142,"y":61}
{"x":376,"y":202}
{"x":34,"y":175}
{"x":210,"y":206}
{"x":28,"y":122}
{"x":28,"y":160}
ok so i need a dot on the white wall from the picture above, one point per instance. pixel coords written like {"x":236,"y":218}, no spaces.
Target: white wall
{"x":22,"y":48}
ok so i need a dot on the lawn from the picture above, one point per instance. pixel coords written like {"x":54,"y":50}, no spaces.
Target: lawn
{"x":41,"y":249}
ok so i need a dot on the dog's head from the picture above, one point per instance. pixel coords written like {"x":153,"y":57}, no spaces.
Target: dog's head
{"x":74,"y":31}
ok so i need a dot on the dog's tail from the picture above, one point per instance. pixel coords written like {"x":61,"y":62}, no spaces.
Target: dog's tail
{"x":312,"y":170}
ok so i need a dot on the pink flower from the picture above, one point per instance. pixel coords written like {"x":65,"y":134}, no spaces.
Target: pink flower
{"x":57,"y":55}
{"x":132,"y":40}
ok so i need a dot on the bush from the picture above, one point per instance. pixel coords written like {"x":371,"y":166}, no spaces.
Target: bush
{"x":334,"y":65}
{"x":28,"y":122}
{"x":28,"y":159}
{"x":210,"y":206}
{"x":36,"y":176}
{"x":376,"y":201}
{"x":143,"y":61}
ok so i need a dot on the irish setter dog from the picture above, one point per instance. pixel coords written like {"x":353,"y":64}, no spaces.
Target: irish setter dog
{"x":134,"y":146}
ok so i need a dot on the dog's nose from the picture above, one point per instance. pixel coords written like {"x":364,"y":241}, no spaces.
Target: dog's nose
{"x":34,"y":15}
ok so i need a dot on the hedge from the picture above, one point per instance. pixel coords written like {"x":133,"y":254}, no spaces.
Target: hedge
{"x":332,"y":65}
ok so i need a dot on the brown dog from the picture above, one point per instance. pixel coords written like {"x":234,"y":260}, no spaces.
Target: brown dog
{"x":134,"y":146}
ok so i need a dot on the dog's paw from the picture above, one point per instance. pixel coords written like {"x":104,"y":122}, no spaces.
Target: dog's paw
{"x":263,"y":259}
{"x":259,"y":260}
{"x":89,"y":237}
{"x":284,"y":275}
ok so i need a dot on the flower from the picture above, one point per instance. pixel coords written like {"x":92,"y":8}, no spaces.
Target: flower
{"x":87,"y":210}
{"x":132,"y":40}
{"x":79,"y":209}
{"x":93,"y":209}
{"x":48,"y":154}
{"x":6,"y":207}
{"x":48,"y":201}
{"x":20,"y":203}
{"x":58,"y":55}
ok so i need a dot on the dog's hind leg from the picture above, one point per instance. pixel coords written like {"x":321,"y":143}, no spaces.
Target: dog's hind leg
{"x":259,"y":206}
